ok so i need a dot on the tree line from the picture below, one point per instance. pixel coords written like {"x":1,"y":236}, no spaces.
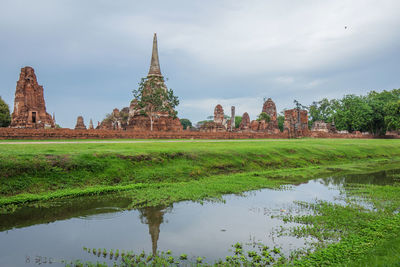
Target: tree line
{"x":376,"y":112}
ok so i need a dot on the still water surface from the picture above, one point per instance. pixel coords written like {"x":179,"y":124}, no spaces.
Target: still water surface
{"x":38,"y":236}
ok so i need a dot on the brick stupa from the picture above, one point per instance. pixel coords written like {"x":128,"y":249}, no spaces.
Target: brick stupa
{"x":29,"y":105}
{"x":164,"y":122}
{"x":80,"y":124}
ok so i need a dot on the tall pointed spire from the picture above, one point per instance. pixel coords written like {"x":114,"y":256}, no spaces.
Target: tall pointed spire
{"x":155,"y":64}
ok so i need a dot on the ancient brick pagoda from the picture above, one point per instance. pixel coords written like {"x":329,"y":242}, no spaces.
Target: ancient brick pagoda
{"x":269,"y":108}
{"x":164,"y":122}
{"x":245,"y":123}
{"x":219,"y":124}
{"x":296,"y":122}
{"x":80,"y":125}
{"x":29,"y":105}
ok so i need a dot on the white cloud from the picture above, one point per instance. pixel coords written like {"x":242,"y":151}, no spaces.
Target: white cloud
{"x":315,"y":83}
{"x":284,"y":79}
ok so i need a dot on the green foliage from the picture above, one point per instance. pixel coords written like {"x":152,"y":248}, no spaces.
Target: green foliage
{"x":263,"y":117}
{"x":392,"y":115}
{"x":281,"y":120}
{"x":374,"y":113}
{"x":364,"y":237}
{"x":353,"y":114}
{"x":238,"y":120}
{"x":186,"y":123}
{"x":152,"y":170}
{"x":298,"y":105}
{"x":153,"y":98}
{"x":321,"y":111}
{"x":5,"y":118}
{"x":123,"y":116}
{"x":200,"y":123}
{"x":379,"y":103}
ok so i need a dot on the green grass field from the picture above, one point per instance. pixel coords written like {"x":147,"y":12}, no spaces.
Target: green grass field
{"x":43,"y":169}
{"x":165,"y":172}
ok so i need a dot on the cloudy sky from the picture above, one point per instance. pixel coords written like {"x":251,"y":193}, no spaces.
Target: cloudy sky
{"x":90,"y":55}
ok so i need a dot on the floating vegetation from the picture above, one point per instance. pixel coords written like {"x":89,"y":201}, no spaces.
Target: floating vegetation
{"x":261,"y":256}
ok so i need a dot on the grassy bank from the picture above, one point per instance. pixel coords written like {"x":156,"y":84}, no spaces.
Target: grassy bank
{"x":154,"y":173}
{"x":32,"y":172}
{"x":354,"y":235}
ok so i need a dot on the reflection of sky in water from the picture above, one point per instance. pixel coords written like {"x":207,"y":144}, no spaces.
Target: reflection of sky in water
{"x":196,"y":229}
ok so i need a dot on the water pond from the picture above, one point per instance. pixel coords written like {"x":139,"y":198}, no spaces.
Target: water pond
{"x":47,"y":235}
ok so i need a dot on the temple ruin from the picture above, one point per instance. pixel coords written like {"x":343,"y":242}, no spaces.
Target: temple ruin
{"x":91,"y":125}
{"x":30,"y":112}
{"x":29,"y":105}
{"x":80,"y":125}
{"x":270,"y":126}
{"x":269,"y":108}
{"x":219,"y":124}
{"x":116,"y":120}
{"x":163,"y":122}
{"x":321,"y":126}
{"x":296,"y":122}
{"x":245,"y":123}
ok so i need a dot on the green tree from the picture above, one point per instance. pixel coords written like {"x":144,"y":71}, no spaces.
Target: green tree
{"x":238,"y":120}
{"x":186,"y":123}
{"x":200,"y":123}
{"x":281,"y":120}
{"x":5,"y":118}
{"x":321,"y":111}
{"x":392,"y":117}
{"x":378,"y":102}
{"x":263,"y":117}
{"x":353,"y":114}
{"x":153,"y":99}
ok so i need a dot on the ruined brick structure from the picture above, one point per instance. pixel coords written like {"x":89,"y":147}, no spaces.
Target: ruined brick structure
{"x":219,"y":114}
{"x":296,"y":122}
{"x":321,"y":126}
{"x":219,"y":123}
{"x":163,"y":122}
{"x":269,"y":107}
{"x":245,"y":123}
{"x":116,"y":120}
{"x":259,"y":126}
{"x":231,"y":125}
{"x":91,"y":125}
{"x":45,"y":134}
{"x":80,"y":125}
{"x":29,"y":105}
{"x":263,"y":126}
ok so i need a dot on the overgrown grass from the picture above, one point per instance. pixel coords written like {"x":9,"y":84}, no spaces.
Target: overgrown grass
{"x":38,"y":168}
{"x":356,"y":234}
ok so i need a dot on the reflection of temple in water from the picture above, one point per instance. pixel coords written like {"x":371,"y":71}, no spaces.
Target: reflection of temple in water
{"x":153,"y":216}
